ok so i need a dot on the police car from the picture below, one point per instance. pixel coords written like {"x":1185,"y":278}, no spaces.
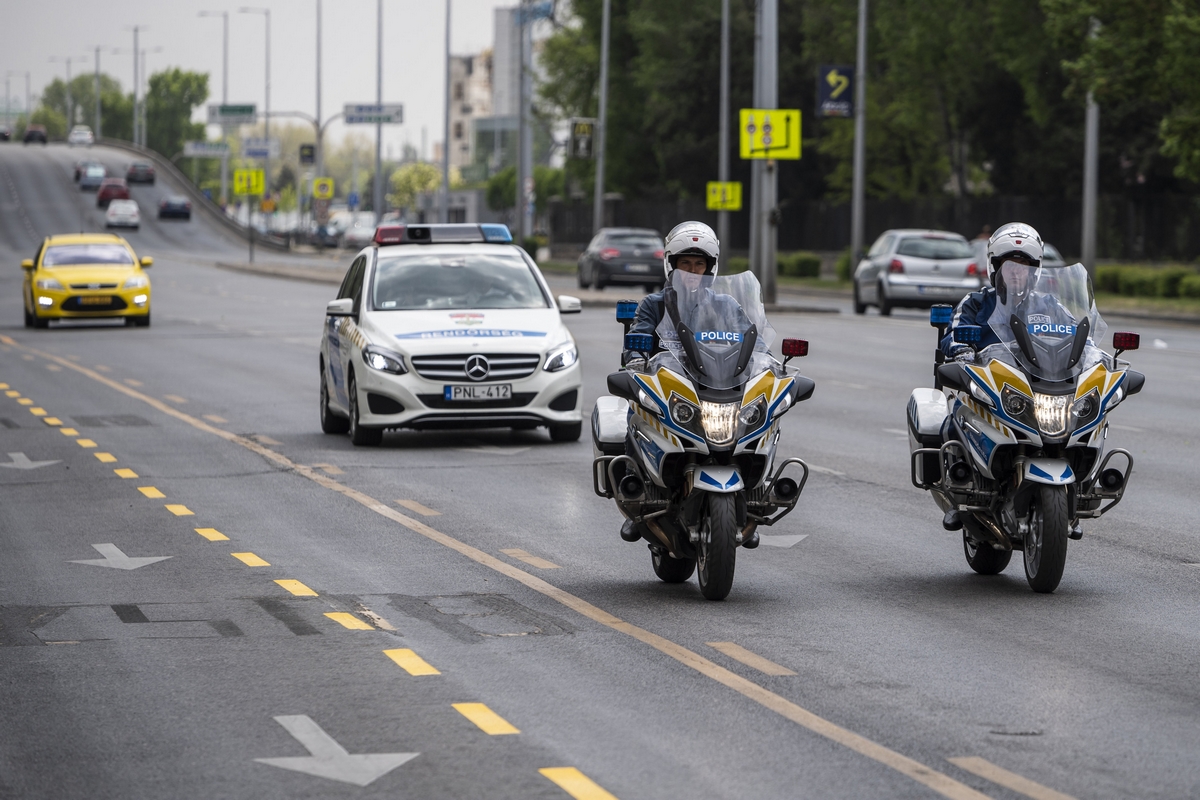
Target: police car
{"x":443,"y":327}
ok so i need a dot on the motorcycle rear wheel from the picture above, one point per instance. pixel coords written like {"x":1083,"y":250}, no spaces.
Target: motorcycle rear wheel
{"x":718,"y":547}
{"x":671,"y":570}
{"x":981,"y":557}
{"x":1046,"y":543}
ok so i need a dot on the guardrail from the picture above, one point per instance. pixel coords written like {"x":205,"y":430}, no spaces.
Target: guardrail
{"x":199,"y":199}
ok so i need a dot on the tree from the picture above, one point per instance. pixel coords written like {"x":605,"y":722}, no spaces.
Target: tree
{"x":169,"y":103}
{"x":410,"y":180}
{"x":502,"y":190}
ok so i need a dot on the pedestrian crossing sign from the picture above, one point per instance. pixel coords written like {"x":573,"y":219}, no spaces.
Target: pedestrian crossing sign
{"x":772,"y":133}
{"x":724,"y":196}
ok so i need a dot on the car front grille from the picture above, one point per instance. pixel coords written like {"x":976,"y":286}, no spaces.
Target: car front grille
{"x":93,"y":286}
{"x":501,"y":366}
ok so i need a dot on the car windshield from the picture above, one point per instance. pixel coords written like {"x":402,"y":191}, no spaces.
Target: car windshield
{"x":66,"y":255}
{"x":935,"y":247}
{"x":417,"y":281}
{"x":630,"y":240}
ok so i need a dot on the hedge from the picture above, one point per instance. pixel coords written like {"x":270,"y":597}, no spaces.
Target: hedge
{"x":795,"y":265}
{"x":1148,"y":281}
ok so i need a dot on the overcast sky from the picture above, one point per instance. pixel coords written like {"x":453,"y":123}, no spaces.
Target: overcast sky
{"x":413,"y":59}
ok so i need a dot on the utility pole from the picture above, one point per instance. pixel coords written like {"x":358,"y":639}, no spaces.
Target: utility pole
{"x":377,"y":195}
{"x":764,"y":175}
{"x":445,"y":193}
{"x":858,"y":190}
{"x":146,"y":93}
{"x":1091,"y":163}
{"x":320,"y":144}
{"x":97,"y":94}
{"x":224,"y":15}
{"x":136,"y":84}
{"x":266,"y":12}
{"x":602,"y":125}
{"x":723,"y":137}
{"x":525,"y":186}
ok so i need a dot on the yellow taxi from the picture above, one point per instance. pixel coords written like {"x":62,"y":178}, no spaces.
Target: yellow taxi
{"x":86,"y":276}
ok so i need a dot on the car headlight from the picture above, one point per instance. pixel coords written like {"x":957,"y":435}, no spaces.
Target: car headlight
{"x":383,"y":360}
{"x":1051,"y":413}
{"x":136,"y":282}
{"x":719,"y":421}
{"x":561,"y":357}
{"x":49,"y":283}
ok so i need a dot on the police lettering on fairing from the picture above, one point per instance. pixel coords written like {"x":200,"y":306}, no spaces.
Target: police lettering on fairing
{"x":731,"y":337}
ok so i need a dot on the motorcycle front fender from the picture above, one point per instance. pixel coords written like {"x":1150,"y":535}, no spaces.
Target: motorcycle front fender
{"x":1050,"y":471}
{"x":718,"y":480}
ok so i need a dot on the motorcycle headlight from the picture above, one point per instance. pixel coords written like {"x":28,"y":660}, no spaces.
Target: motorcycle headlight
{"x":719,"y":421}
{"x":1051,"y":413}
{"x":1085,"y":409}
{"x":49,"y":283}
{"x":561,"y":357}
{"x":383,"y":360}
{"x":683,"y":412}
{"x":752,"y":416}
{"x":136,"y":282}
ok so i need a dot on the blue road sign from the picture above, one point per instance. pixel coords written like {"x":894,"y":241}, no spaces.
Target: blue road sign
{"x":352,"y":200}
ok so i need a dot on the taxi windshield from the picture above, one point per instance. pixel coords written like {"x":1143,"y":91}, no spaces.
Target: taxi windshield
{"x":100,"y":255}
{"x":422,"y":281}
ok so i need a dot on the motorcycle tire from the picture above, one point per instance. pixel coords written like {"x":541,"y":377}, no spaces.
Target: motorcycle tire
{"x":718,"y":547}
{"x":981,"y":556}
{"x":671,"y":570}
{"x":1046,"y":543}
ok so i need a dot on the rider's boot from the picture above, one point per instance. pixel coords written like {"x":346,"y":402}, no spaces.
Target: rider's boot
{"x":952,"y":521}
{"x":629,"y":532}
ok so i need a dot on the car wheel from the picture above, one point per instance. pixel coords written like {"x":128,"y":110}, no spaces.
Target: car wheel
{"x":885,"y":305}
{"x":584,"y":283}
{"x":39,"y":322}
{"x":138,"y":322}
{"x":330,"y":422}
{"x":28,"y":319}
{"x":859,"y":306}
{"x":599,"y":280}
{"x":359,"y":435}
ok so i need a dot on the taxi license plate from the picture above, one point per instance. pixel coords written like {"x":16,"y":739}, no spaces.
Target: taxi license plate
{"x":494,"y":391}
{"x":637,"y":267}
{"x":95,"y":301}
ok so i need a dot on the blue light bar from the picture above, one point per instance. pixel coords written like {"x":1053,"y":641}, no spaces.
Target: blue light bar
{"x":968,"y":334}
{"x":639,"y":342}
{"x":941,"y":314}
{"x":626,"y":310}
{"x":494,"y":232}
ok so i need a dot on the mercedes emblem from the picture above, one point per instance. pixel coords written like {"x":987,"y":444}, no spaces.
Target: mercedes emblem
{"x":477,"y":367}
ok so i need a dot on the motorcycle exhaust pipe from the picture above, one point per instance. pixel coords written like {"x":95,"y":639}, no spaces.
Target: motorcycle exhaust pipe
{"x":631,"y":487}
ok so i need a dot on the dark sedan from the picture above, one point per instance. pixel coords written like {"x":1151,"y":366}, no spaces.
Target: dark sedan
{"x":623,"y":256}
{"x":175,"y":206}
{"x":140,"y":172}
{"x":5,"y":133}
{"x":111,"y":189}
{"x":35,"y":133}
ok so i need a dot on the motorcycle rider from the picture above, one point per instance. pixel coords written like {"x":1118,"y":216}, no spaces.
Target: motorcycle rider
{"x":1016,"y":242}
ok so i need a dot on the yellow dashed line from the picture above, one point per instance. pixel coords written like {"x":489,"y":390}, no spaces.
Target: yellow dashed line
{"x":174,"y":398}
{"x":347,"y":620}
{"x":25,"y":401}
{"x":330,"y":469}
{"x":296,"y":587}
{"x":132,"y":382}
{"x":105,"y":458}
{"x":487,"y":720}
{"x":85,"y":443}
{"x":413,"y":505}
{"x":739,"y":653}
{"x":3,"y":385}
{"x":12,"y":393}
{"x":125,"y":473}
{"x":576,"y":784}
{"x":54,"y":421}
{"x":215,"y":418}
{"x":103,"y":368}
{"x":1009,"y":780}
{"x":410,"y":662}
{"x":150,"y":491}
{"x":531,"y":560}
{"x":250,"y":560}
{"x":212,"y":534}
{"x":38,"y":412}
{"x":68,"y":431}
{"x":179,"y":511}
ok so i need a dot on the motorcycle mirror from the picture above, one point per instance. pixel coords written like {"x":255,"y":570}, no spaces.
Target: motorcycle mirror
{"x":621,"y":384}
{"x":968,"y":334}
{"x":953,"y":375}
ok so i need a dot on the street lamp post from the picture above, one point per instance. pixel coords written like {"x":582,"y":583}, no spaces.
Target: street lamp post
{"x":97,"y":87}
{"x":445,"y":210}
{"x":224,"y":93}
{"x":377,"y":184}
{"x":136,"y":29}
{"x":602,"y":127}
{"x":723,"y":130}
{"x":858,"y":189}
{"x":266,"y":12}
{"x":146,"y":93}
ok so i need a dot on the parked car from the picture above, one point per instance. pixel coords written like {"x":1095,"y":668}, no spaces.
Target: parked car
{"x":175,"y":206}
{"x":111,"y":189}
{"x":360,"y":232}
{"x":5,"y":133}
{"x":123,"y":214}
{"x":916,"y":269}
{"x":324,"y":236}
{"x":625,"y":256}
{"x":80,"y":135}
{"x":35,"y":133}
{"x":140,"y":172}
{"x":93,"y":175}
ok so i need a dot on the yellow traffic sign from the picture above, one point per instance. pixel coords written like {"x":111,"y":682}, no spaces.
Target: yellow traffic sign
{"x":248,"y":181}
{"x":770,"y":133}
{"x":322,"y":188}
{"x":268,"y":205}
{"x":724,"y":196}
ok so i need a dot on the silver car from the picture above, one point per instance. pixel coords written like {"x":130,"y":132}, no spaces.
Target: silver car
{"x":916,"y":269}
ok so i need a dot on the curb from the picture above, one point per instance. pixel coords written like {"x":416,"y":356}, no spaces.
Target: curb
{"x":288,"y":272}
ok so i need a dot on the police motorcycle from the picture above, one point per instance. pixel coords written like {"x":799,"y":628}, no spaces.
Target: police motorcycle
{"x":1015,"y":443}
{"x":686,"y":443}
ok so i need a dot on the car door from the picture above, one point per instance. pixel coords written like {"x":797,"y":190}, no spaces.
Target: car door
{"x":337,"y":334}
{"x":868,"y":275}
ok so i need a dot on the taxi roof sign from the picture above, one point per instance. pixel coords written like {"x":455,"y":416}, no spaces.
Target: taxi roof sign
{"x":454,"y":233}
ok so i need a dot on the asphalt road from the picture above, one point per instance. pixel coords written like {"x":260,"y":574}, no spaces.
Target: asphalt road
{"x":872,"y":662}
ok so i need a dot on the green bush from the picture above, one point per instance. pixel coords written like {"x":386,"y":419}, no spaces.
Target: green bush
{"x":1108,"y":279}
{"x":845,"y":270}
{"x":800,"y":265}
{"x":1138,"y":282}
{"x":735,"y":264}
{"x":1190,"y":286}
{"x":1170,"y":278}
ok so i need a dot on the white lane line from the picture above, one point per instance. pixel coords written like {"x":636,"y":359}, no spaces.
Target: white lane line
{"x":896,"y":431}
{"x":826,"y":470}
{"x":1126,"y":428}
{"x":782,"y":541}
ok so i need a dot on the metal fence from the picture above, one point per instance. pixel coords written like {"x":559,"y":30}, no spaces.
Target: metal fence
{"x":1156,"y":227}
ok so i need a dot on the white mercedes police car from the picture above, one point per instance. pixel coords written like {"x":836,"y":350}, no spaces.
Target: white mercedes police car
{"x":447,"y":326}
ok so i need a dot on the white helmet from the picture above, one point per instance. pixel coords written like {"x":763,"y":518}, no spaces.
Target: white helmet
{"x":691,"y":238}
{"x":1015,"y":237}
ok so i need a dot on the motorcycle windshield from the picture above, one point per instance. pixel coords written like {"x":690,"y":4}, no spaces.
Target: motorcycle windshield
{"x":1047,"y":318}
{"x":715,"y":328}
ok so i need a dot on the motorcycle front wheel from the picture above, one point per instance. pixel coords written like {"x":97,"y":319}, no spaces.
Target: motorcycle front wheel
{"x":671,"y":570}
{"x":1046,"y":542}
{"x":718,"y":547}
{"x":981,"y":556}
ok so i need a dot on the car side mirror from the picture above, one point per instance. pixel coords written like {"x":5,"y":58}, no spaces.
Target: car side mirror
{"x":147,"y":262}
{"x":342,"y":307}
{"x":569,"y":305}
{"x":27,"y":263}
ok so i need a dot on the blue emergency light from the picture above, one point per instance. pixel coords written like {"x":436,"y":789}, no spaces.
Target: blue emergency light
{"x":626,"y":310}
{"x":453,"y":233}
{"x":941,"y":314}
{"x":639,"y":342}
{"x":968,"y":334}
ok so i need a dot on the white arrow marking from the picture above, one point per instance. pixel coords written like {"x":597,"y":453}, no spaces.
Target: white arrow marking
{"x":21,"y":461}
{"x":113,"y":557}
{"x":329,"y":759}
{"x":782,"y":541}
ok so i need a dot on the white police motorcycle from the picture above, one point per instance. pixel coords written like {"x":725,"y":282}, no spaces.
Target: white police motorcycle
{"x":1014,"y":445}
{"x":686,"y":442}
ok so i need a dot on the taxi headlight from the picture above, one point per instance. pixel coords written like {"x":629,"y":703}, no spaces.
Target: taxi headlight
{"x":1051,"y":413}
{"x":136,"y":282}
{"x":383,"y":360}
{"x":140,"y":299}
{"x":561,"y":357}
{"x":719,"y":421}
{"x":49,"y":283}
